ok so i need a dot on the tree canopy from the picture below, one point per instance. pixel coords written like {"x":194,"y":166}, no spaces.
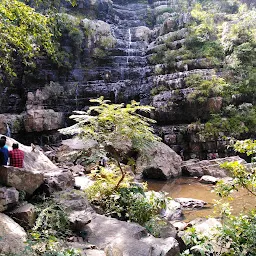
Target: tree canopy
{"x":24,"y":34}
{"x":108,"y":123}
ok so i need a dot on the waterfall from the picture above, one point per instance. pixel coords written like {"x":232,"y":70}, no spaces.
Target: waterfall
{"x":129,"y":45}
{"x":76,"y":98}
{"x":8,"y":131}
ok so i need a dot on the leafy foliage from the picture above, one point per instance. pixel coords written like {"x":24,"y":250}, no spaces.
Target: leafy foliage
{"x":24,"y":35}
{"x":239,"y":232}
{"x":47,"y":236}
{"x":51,"y":221}
{"x":109,"y":123}
{"x":205,"y":88}
{"x":129,"y":202}
{"x":104,"y":185}
{"x":197,"y":243}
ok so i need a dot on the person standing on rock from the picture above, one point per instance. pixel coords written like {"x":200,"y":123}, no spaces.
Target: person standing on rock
{"x":4,"y":150}
{"x":16,"y":156}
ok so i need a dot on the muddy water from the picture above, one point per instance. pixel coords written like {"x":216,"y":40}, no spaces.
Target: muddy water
{"x":190,"y":187}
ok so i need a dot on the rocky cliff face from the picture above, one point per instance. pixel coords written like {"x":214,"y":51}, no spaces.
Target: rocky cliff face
{"x":111,"y":49}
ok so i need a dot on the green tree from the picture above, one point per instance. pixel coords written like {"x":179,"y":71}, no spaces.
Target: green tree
{"x":24,"y":34}
{"x":109,"y":123}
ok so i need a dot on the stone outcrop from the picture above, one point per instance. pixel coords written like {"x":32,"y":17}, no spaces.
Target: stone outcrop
{"x":120,"y":52}
{"x":42,"y":120}
{"x":12,"y":235}
{"x":127,"y":238}
{"x":21,"y":179}
{"x":24,"y":215}
{"x":9,"y":197}
{"x":58,"y":180}
{"x":209,"y":167}
{"x":74,"y":150}
{"x":159,"y":162}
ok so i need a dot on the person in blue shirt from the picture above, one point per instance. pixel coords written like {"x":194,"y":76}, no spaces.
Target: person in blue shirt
{"x":4,"y":151}
{"x":4,"y":138}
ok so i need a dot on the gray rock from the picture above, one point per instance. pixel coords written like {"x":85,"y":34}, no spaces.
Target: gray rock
{"x":37,"y":120}
{"x":163,"y":247}
{"x":209,"y":167}
{"x":120,"y":238}
{"x":9,"y":197}
{"x":159,"y":162}
{"x":73,"y":200}
{"x":207,"y":179}
{"x":12,"y":235}
{"x":58,"y":180}
{"x":190,"y":203}
{"x":103,"y":230}
{"x":173,"y":211}
{"x":79,"y":219}
{"x":206,"y":226}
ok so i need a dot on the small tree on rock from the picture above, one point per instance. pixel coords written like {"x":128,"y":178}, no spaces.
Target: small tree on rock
{"x":107,"y":123}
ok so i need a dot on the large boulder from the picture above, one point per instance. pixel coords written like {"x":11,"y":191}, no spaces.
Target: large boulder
{"x":12,"y":235}
{"x":209,"y":167}
{"x":159,"y":162}
{"x":103,"y":230}
{"x":127,"y":239}
{"x":9,"y":197}
{"x":164,"y":247}
{"x":58,"y":180}
{"x":73,"y":150}
{"x":21,"y":179}
{"x":73,"y":201}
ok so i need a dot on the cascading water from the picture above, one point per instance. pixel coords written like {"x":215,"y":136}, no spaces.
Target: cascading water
{"x":8,"y":130}
{"x":129,"y":60}
{"x":129,"y":45}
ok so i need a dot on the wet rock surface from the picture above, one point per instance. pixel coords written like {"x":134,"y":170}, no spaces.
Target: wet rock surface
{"x":190,"y":203}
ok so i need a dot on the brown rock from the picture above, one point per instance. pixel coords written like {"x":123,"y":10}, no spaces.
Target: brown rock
{"x":21,"y":178}
{"x":25,"y":215}
{"x":43,"y":119}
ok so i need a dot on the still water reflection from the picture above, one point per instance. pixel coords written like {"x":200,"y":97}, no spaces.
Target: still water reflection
{"x":190,"y":187}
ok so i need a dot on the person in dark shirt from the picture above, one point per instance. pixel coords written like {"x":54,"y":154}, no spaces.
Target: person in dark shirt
{"x":16,"y":156}
{"x":1,"y":158}
{"x":4,"y":151}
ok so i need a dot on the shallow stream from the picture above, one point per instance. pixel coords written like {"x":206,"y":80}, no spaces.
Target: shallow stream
{"x":192,"y":188}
